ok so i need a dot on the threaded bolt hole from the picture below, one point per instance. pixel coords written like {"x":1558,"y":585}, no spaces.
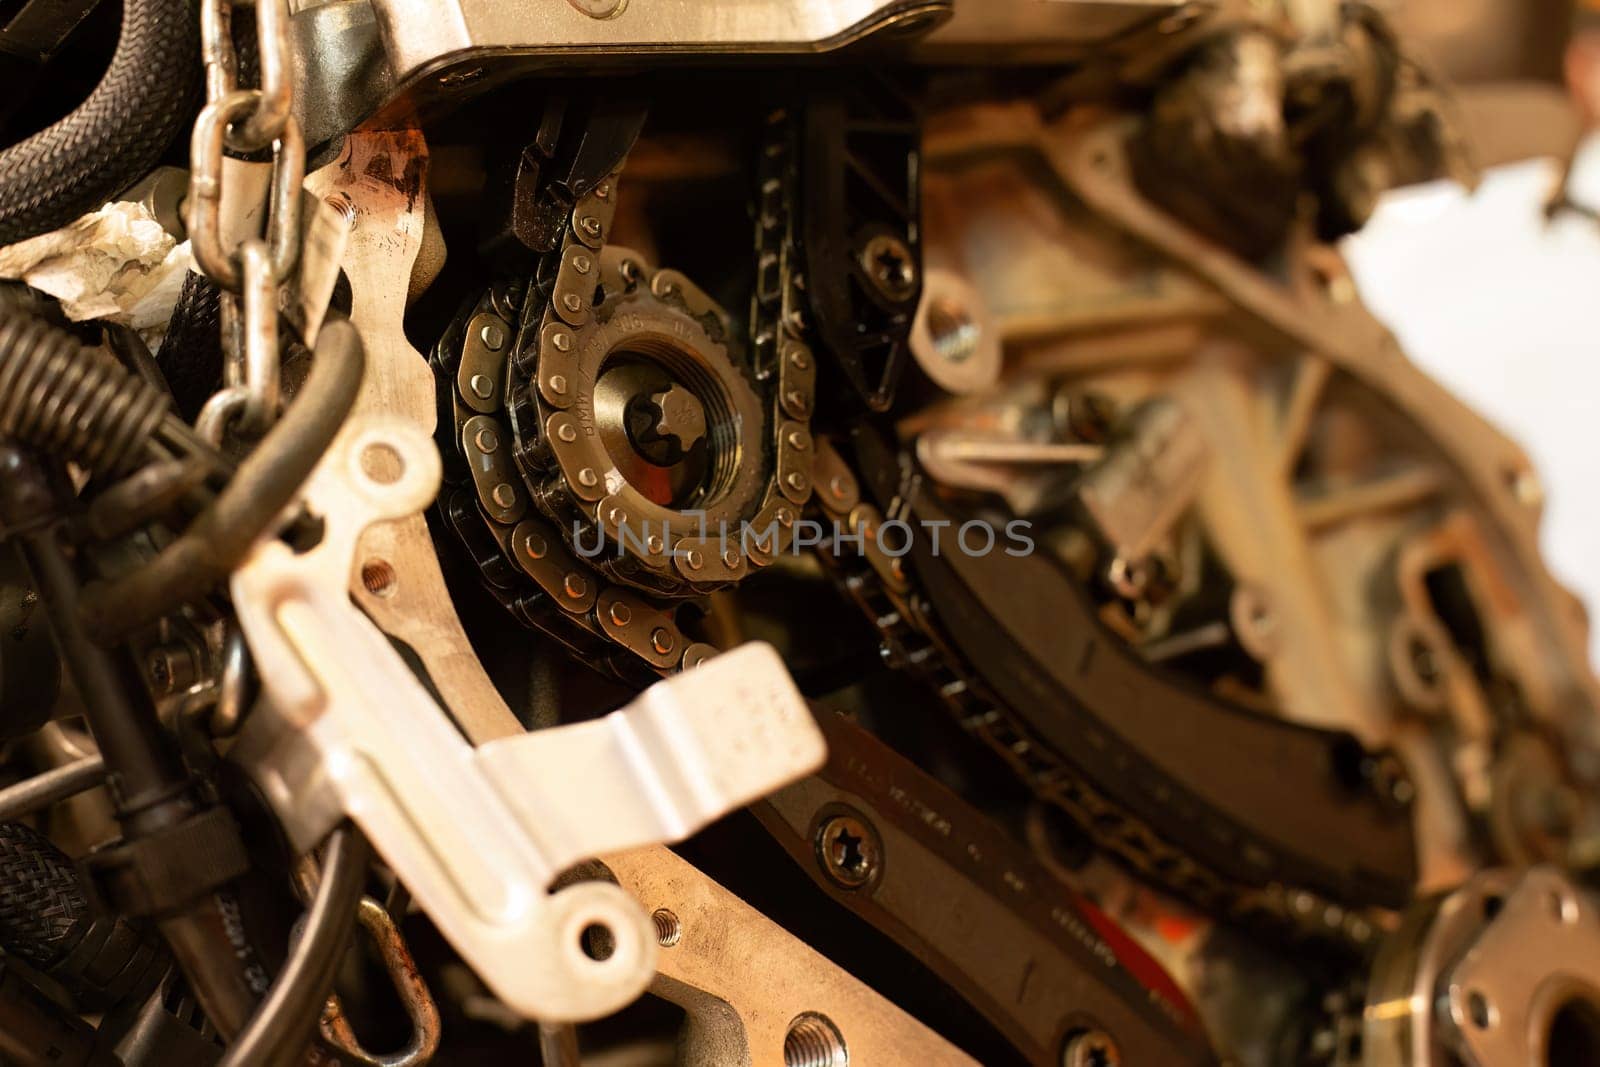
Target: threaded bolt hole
{"x":378,"y":577}
{"x":669,"y":930}
{"x":814,"y":1041}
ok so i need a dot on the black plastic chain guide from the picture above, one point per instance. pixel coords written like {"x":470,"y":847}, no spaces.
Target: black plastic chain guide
{"x":861,"y":186}
{"x":1240,"y":814}
{"x":1189,"y":792}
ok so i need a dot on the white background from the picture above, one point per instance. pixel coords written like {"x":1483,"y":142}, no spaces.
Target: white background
{"x":1505,"y":310}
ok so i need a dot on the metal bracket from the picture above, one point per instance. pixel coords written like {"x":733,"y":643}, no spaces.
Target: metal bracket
{"x":456,"y":42}
{"x":478,"y":834}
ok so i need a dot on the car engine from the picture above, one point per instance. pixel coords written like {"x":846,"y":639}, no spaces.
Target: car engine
{"x":771,"y":532}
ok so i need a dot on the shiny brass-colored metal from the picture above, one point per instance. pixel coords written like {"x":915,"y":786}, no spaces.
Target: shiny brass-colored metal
{"x":1294,"y":408}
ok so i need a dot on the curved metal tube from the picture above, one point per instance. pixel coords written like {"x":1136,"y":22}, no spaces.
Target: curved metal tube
{"x":44,"y":789}
{"x":266,"y":482}
{"x":277,"y":1034}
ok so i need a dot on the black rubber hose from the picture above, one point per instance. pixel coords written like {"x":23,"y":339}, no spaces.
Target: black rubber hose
{"x":191,"y":352}
{"x":215,"y":543}
{"x":46,"y":918}
{"x":142,"y":767}
{"x":118,"y":134}
{"x":277,"y":1034}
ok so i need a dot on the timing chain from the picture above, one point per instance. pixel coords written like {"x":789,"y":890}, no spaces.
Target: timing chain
{"x":574,"y":604}
{"x":494,"y":376}
{"x":912,"y":642}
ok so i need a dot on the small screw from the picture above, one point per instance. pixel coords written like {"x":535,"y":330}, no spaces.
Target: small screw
{"x":891,"y":267}
{"x":1390,"y":781}
{"x":1091,"y":1048}
{"x":849,"y":851}
{"x":493,"y":336}
{"x":171,"y":669}
{"x":1088,"y":417}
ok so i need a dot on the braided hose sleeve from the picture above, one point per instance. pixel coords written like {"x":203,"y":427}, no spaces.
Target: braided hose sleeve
{"x":43,"y":909}
{"x":46,"y":918}
{"x":146,"y":97}
{"x":191,"y":352}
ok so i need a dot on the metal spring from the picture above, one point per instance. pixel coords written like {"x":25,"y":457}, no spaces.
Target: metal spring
{"x":68,"y":400}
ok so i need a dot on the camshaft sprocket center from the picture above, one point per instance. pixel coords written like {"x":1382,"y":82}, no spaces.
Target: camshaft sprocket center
{"x":612,"y":433}
{"x":649,"y":358}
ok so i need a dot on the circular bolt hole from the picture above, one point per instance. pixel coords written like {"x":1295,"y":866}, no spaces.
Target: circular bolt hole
{"x":597,"y":942}
{"x":954,"y":332}
{"x":1479,"y":1010}
{"x":813,"y":1041}
{"x":1574,"y":1033}
{"x":382,"y":463}
{"x":669,"y":931}
{"x":378,"y":577}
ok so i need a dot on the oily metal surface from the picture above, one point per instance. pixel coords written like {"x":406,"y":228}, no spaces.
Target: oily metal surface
{"x":466,"y":44}
{"x":1040,"y":962}
{"x":726,"y":983}
{"x":1211,"y":777}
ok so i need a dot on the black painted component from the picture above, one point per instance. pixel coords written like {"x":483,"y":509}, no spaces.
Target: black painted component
{"x":1255,"y":799}
{"x":30,"y":670}
{"x":861,"y":182}
{"x":35,"y":1031}
{"x":46,"y":919}
{"x":532,"y":188}
{"x":1038,"y":961}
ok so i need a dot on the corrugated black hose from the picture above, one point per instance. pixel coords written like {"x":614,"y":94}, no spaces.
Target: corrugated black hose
{"x":46,"y":918}
{"x":147,"y":96}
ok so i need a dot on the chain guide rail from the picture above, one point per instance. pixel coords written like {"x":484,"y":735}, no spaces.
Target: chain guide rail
{"x":914,"y":642}
{"x":521,"y":366}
